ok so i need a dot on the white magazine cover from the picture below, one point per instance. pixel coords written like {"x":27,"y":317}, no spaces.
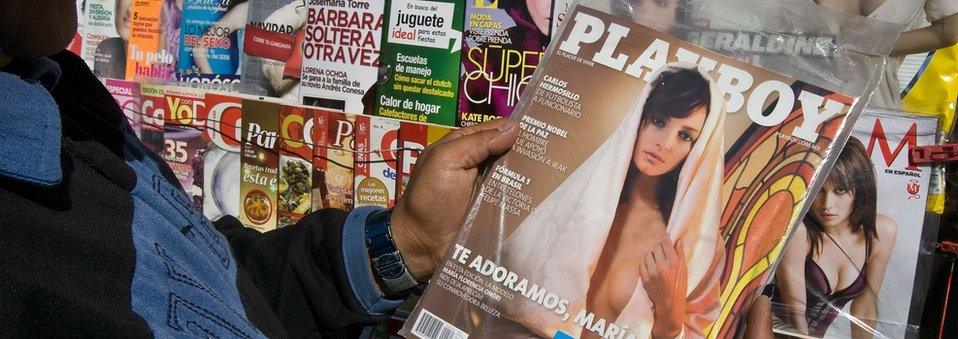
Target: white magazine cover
{"x":862,"y":282}
{"x":341,"y":53}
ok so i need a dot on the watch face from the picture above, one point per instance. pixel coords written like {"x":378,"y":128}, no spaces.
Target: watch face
{"x":390,"y":265}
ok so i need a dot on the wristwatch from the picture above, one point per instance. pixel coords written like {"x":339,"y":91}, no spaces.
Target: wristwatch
{"x":386,"y":258}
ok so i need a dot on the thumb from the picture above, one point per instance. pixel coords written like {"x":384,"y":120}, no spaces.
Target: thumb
{"x":470,"y":150}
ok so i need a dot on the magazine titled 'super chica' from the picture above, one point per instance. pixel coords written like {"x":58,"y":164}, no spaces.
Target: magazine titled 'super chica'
{"x":649,"y":193}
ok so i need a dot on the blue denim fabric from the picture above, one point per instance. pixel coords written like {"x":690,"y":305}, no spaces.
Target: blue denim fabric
{"x":357,"y":264}
{"x":30,"y":132}
{"x":184,"y":282}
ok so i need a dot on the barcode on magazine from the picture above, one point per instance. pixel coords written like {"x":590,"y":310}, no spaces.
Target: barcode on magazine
{"x":429,"y":326}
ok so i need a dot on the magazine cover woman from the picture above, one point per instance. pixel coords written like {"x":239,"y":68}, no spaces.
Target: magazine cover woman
{"x":671,"y":123}
{"x":631,"y":237}
{"x":838,"y":254}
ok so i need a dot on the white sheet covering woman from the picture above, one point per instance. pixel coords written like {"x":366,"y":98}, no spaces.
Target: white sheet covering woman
{"x":559,"y":249}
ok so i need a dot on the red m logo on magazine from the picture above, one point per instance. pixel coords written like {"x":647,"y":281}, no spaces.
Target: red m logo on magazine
{"x":878,"y":136}
{"x":913,"y":188}
{"x":388,"y":148}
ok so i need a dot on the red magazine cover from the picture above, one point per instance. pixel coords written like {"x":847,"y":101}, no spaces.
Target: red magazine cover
{"x":185,"y":142}
{"x":377,"y":141}
{"x":260,"y":164}
{"x":153,"y":110}
{"x":295,"y":164}
{"x":127,"y":95}
{"x":221,"y":179}
{"x":333,"y":160}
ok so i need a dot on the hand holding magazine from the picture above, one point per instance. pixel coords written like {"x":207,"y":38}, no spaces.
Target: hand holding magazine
{"x":649,"y":193}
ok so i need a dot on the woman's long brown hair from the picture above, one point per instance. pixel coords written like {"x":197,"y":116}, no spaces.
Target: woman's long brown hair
{"x":675,"y":94}
{"x":853,"y":171}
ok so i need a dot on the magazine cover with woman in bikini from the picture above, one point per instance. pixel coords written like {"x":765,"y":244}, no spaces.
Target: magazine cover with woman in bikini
{"x":855,"y":259}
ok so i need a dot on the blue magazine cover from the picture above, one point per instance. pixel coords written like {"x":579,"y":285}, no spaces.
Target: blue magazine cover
{"x":211,"y":40}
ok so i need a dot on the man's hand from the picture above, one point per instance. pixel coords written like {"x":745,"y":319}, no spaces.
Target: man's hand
{"x":426,"y":219}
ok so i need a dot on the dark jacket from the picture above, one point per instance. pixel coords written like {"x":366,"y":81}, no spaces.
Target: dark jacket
{"x":80,"y":255}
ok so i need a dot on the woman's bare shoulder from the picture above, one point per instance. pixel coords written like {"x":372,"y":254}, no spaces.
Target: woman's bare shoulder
{"x":798,"y":243}
{"x":885,"y":226}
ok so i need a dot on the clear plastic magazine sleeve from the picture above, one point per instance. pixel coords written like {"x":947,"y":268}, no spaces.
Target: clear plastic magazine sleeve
{"x":485,"y":271}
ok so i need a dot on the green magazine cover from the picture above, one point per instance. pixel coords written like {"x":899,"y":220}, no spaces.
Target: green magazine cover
{"x":419,"y":61}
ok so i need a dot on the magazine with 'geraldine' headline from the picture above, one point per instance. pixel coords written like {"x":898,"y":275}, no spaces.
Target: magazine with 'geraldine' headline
{"x":650,"y":191}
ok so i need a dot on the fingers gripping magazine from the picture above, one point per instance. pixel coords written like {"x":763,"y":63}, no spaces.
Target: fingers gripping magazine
{"x":637,"y":155}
